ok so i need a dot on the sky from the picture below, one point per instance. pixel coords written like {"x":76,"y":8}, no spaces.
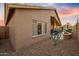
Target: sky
{"x":68,"y":12}
{"x":64,"y":9}
{"x":1,"y":14}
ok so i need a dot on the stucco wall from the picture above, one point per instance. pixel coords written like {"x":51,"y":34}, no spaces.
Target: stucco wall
{"x":41,"y":15}
{"x":21,"y":26}
{"x":12,"y":31}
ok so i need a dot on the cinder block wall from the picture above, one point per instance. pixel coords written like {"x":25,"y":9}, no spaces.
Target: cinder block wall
{"x":4,"y":32}
{"x":76,"y":33}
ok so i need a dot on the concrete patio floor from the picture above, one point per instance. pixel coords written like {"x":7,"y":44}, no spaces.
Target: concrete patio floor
{"x":43,"y":48}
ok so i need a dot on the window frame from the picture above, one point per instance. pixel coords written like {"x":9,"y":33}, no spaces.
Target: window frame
{"x":44,"y":28}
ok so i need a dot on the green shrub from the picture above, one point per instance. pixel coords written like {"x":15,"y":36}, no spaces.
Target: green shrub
{"x":69,"y":30}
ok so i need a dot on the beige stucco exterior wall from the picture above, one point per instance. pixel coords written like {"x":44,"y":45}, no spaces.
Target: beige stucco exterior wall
{"x":21,"y":26}
{"x":42,"y":15}
{"x":12,"y":31}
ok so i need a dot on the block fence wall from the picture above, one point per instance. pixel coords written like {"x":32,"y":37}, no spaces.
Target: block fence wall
{"x":4,"y":32}
{"x":76,"y":33}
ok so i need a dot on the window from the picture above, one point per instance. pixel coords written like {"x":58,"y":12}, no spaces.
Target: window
{"x":38,"y":28}
{"x":45,"y":27}
{"x":34,"y":32}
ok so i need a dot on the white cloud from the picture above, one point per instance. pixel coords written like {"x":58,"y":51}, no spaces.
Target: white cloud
{"x":69,"y":19}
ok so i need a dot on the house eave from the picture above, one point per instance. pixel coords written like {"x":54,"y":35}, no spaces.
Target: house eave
{"x":29,"y":7}
{"x":14,"y":6}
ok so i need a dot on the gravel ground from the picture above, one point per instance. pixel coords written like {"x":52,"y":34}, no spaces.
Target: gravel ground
{"x":43,"y":48}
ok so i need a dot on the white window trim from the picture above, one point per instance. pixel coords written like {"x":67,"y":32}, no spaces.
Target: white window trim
{"x":39,"y":35}
{"x":42,"y":29}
